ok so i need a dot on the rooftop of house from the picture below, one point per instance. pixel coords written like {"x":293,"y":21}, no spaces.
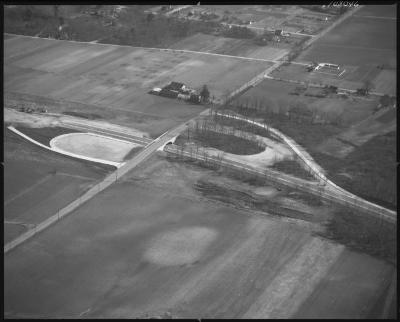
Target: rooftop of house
{"x":175,"y":86}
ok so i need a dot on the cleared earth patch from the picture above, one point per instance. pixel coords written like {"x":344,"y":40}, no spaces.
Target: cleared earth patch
{"x":93,"y":145}
{"x":182,"y":246}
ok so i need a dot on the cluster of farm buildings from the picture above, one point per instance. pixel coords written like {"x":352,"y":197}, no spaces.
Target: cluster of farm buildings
{"x":316,"y":66}
{"x":177,"y":90}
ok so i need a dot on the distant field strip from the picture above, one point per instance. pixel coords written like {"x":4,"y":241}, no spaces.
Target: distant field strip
{"x":321,"y":44}
{"x":375,"y":17}
{"x":152,"y":48}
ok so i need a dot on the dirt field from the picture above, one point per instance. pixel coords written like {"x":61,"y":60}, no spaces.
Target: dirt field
{"x":230,"y":46}
{"x":147,"y":257}
{"x":385,"y":82}
{"x":93,"y":146}
{"x":38,"y":182}
{"x":274,"y":152}
{"x":342,"y":278}
{"x":117,"y":79}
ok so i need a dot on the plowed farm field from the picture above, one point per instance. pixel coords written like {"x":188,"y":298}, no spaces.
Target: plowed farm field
{"x":152,"y":246}
{"x":231,"y":46}
{"x":118,"y":78}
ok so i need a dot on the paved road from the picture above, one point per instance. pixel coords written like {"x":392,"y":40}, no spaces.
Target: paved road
{"x":345,"y":16}
{"x":152,"y":147}
{"x":316,"y":188}
{"x":265,"y":74}
{"x":107,"y":132}
{"x":330,"y":187}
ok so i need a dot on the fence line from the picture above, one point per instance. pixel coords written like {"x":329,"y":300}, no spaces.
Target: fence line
{"x":111,"y":178}
{"x":318,"y":172}
{"x":106,"y":182}
{"x":280,"y":178}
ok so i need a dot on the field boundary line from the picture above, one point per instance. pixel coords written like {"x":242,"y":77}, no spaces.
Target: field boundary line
{"x":44,"y":179}
{"x":8,"y":222}
{"x":354,"y":47}
{"x":151,"y":48}
{"x":74,"y":176}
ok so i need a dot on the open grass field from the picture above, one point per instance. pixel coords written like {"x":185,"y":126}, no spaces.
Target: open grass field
{"x":386,"y":11}
{"x":118,"y":78}
{"x":360,"y":44}
{"x":358,"y":153}
{"x":44,"y":134}
{"x":38,"y":182}
{"x":381,"y":123}
{"x":180,"y":255}
{"x":358,"y":40}
{"x":385,"y":82}
{"x":351,"y":79}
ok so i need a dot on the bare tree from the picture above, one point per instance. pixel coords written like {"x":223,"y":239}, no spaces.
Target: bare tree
{"x":368,"y":86}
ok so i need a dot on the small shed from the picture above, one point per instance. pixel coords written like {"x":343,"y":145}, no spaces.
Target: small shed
{"x":175,"y":86}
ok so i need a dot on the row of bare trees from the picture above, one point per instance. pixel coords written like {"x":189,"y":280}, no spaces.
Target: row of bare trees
{"x":208,"y":129}
{"x":264,"y":107}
